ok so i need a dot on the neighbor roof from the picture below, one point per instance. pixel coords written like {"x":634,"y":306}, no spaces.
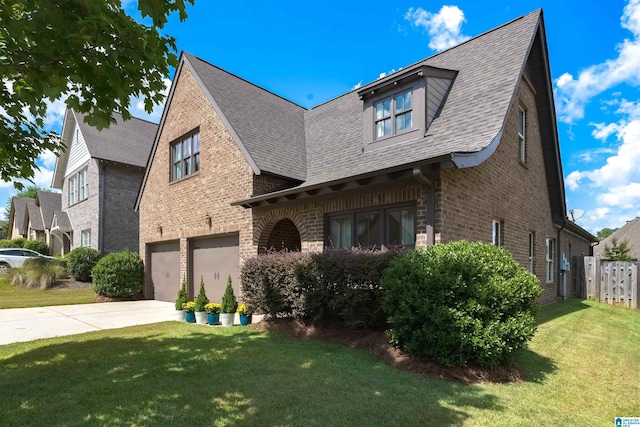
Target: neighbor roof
{"x":19,"y":211}
{"x":49,"y":203}
{"x":629,"y":232}
{"x":126,"y":141}
{"x":34,"y":215}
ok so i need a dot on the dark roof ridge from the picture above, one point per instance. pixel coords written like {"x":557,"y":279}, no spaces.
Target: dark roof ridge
{"x":415,"y":64}
{"x":184,"y":52}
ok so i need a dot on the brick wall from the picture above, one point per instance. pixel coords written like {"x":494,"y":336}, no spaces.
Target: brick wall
{"x":120,"y":226}
{"x":181,"y":207}
{"x":503,"y":188}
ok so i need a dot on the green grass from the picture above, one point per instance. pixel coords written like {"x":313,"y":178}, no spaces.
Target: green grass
{"x":13,"y":297}
{"x":583,"y":368}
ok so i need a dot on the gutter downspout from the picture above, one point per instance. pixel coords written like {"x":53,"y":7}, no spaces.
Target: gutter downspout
{"x":101,"y":191}
{"x":419,"y":176}
{"x":559,"y":270}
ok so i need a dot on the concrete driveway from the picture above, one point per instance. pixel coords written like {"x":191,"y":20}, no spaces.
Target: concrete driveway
{"x":27,"y":324}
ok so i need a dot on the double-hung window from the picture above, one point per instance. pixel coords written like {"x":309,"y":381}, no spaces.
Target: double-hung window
{"x":394,"y":114}
{"x":73,"y":190}
{"x":522,"y":126}
{"x":373,"y":229}
{"x":83,"y":184}
{"x":551,"y":252}
{"x":532,"y":248}
{"x":85,"y":237}
{"x":185,"y":156}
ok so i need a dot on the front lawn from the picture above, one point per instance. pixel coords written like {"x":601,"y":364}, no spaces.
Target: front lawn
{"x":583,"y":369}
{"x":13,"y":297}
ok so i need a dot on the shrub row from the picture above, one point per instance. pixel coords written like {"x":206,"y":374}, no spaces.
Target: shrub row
{"x":14,"y":243}
{"x":335,"y":286}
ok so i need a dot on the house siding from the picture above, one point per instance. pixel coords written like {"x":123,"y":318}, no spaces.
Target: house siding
{"x":504,"y":188}
{"x":120,"y":225}
{"x":78,"y":153}
{"x":180,"y":208}
{"x":84,"y":215}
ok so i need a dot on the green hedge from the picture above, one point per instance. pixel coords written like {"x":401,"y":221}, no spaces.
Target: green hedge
{"x":39,"y":246}
{"x":81,"y":261}
{"x":18,"y":242}
{"x":335,"y":286}
{"x":460,"y":302}
{"x":119,"y":274}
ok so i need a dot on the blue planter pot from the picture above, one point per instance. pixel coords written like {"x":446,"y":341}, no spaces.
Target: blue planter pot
{"x":213,"y":319}
{"x":190,"y":316}
{"x":245,"y":319}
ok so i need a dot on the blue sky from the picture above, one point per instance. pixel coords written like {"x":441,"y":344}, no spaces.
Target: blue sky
{"x":310,"y":52}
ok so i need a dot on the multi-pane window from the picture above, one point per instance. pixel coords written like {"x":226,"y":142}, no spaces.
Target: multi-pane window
{"x":532,"y":247}
{"x":393,"y":115}
{"x":522,"y":121}
{"x":185,"y":156}
{"x":497,"y":226}
{"x":391,"y":227}
{"x":550,"y":257}
{"x":85,"y":237}
{"x":83,"y":184}
{"x":79,"y":186}
{"x":73,"y":190}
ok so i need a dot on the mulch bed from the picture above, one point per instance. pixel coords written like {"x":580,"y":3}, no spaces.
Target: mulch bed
{"x":377,"y":343}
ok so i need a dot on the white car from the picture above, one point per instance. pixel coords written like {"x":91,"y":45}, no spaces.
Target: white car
{"x":15,"y":257}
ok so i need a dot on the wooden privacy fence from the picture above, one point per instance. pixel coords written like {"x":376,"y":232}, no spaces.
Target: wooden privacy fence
{"x":612,"y":282}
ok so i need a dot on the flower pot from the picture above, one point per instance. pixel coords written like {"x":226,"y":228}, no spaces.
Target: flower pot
{"x":245,"y":319}
{"x":190,"y":316}
{"x":177,"y":315}
{"x":201,"y":317}
{"x":226,"y":319}
{"x":213,"y":318}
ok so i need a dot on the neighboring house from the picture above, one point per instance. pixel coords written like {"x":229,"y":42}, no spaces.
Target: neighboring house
{"x":99,"y":174}
{"x":17,"y":215}
{"x":462,"y":145}
{"x":630,"y":233}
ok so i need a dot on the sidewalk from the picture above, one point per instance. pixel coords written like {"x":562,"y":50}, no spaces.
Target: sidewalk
{"x":28,"y":324}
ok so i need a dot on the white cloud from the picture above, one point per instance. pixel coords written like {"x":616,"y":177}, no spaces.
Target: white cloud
{"x":3,"y":212}
{"x":572,"y":94}
{"x":590,"y":156}
{"x":47,"y":159}
{"x":444,"y":27}
{"x":357,"y":85}
{"x":604,"y":131}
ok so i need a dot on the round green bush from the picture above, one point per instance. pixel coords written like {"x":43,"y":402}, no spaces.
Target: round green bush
{"x":81,"y":261}
{"x":460,"y":303}
{"x":39,"y":246}
{"x":119,"y":274}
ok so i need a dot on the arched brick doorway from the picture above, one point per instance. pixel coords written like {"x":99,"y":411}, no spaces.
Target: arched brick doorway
{"x":283,"y":236}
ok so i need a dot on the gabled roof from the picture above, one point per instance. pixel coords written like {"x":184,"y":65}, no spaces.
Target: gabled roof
{"x":629,"y":232}
{"x":34,"y":216}
{"x":49,"y":203}
{"x":61,"y":222}
{"x":17,"y":213}
{"x":128,"y":142}
{"x":269,"y":127}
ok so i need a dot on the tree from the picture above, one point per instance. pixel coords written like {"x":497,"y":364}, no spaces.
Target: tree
{"x":31,"y":192}
{"x":619,"y":251}
{"x":90,"y":54}
{"x":605,"y":232}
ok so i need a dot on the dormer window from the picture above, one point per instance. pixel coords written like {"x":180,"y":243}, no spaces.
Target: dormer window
{"x":399,"y":107}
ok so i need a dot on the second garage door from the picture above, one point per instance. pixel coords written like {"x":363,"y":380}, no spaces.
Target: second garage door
{"x":214,"y":259}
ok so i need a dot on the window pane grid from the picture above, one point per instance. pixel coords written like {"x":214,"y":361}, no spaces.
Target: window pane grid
{"x":185,"y":156}
{"x":393,"y":115}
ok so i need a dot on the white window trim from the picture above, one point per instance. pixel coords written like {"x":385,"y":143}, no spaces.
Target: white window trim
{"x":85,"y":234}
{"x":532,"y":250}
{"x":550,"y":258}
{"x":522,"y":136}
{"x":497,"y":232}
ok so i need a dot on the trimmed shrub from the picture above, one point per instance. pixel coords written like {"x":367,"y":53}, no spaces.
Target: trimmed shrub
{"x":18,"y":242}
{"x":337,"y":286}
{"x":119,"y":274}
{"x":40,"y":273}
{"x":229,"y":303}
{"x":201,"y":298}
{"x":460,"y":302}
{"x":182,"y":294}
{"x":39,"y":246}
{"x":81,"y":261}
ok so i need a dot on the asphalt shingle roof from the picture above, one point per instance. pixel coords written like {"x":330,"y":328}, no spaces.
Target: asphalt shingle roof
{"x":127,"y":142}
{"x":270,"y":127}
{"x":35,"y":216}
{"x":19,"y":210}
{"x":49,"y":203}
{"x":629,"y":232}
{"x":62,"y":221}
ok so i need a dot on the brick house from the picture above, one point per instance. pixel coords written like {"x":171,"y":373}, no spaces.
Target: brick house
{"x":99,"y":174}
{"x":31,"y":218}
{"x":461,"y":145}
